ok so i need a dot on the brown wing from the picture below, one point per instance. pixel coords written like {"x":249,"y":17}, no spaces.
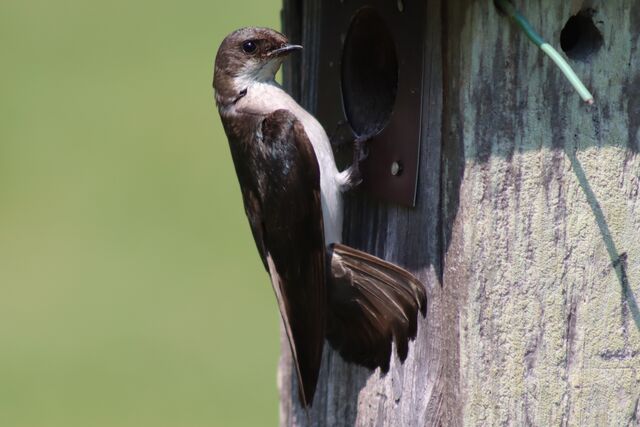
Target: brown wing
{"x":280,"y":180}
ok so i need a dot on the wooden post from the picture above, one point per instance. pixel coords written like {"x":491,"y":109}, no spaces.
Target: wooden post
{"x":526,"y":231}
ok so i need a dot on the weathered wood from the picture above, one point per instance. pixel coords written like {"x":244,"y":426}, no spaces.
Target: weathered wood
{"x":526,"y":231}
{"x":417,"y":391}
{"x":549,"y":220}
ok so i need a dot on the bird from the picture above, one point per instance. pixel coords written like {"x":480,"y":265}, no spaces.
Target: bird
{"x":292,"y":193}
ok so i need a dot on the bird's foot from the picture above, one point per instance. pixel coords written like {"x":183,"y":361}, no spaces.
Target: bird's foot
{"x":352,"y":176}
{"x":360,"y":149}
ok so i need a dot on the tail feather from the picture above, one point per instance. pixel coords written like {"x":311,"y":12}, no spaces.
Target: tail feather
{"x":371,"y":303}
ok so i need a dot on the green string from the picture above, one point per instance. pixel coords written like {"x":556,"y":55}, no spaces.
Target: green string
{"x":522,"y":22}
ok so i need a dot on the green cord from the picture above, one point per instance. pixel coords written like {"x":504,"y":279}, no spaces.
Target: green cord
{"x":566,"y":69}
{"x":510,"y":10}
{"x":522,"y":22}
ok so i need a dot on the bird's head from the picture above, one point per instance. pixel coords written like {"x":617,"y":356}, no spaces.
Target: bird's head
{"x":249,"y":55}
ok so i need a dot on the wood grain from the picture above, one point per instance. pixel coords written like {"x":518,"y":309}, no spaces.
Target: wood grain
{"x":526,"y":231}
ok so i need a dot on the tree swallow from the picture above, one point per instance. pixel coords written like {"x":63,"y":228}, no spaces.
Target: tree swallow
{"x":292,"y":194}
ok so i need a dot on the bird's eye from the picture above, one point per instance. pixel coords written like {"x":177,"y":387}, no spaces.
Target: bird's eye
{"x":249,"y":46}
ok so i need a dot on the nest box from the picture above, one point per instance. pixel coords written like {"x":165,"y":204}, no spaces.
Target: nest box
{"x":370,"y":72}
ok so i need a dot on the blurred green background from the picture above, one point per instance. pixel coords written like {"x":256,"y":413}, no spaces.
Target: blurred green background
{"x":131,"y":293}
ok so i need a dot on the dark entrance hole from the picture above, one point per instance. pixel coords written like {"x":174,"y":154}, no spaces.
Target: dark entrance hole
{"x":580,"y":38}
{"x":369,"y":73}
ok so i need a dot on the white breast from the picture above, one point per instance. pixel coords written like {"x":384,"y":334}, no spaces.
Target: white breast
{"x":264,"y":98}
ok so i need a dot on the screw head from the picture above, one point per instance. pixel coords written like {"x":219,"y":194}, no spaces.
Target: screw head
{"x":396,"y":168}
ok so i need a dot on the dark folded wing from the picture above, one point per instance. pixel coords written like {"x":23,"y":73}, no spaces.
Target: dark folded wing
{"x":371,"y":303}
{"x":282,"y":202}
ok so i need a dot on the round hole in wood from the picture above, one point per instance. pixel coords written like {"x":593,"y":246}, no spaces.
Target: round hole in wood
{"x":580,"y":38}
{"x":369,"y":73}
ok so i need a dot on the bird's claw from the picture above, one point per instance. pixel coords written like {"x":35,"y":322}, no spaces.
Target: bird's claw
{"x":353,"y":175}
{"x":360,"y":149}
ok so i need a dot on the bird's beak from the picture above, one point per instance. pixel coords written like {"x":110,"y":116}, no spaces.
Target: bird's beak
{"x":285,"y":50}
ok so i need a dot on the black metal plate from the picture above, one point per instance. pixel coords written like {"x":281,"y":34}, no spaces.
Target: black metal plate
{"x":399,"y":141}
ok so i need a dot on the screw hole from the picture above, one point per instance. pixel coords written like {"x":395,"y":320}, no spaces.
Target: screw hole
{"x":580,"y":38}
